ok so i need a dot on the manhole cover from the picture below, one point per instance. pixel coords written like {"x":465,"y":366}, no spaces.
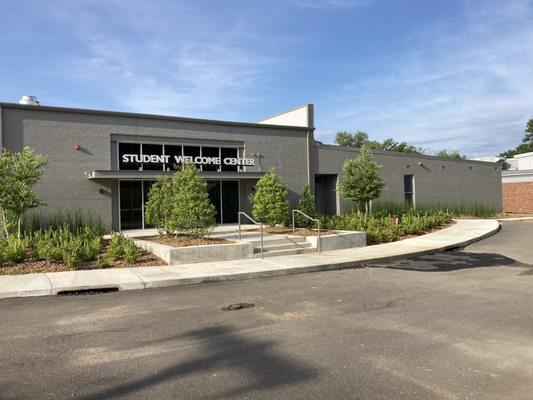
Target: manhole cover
{"x":237,"y":306}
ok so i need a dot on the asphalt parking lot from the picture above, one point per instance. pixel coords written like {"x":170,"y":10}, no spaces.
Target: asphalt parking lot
{"x":454,"y":325}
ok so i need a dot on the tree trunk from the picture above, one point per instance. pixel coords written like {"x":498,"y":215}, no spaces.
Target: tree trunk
{"x":4,"y":223}
{"x":19,"y":226}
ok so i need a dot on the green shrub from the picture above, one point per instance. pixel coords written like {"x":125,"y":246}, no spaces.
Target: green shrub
{"x":131,"y":252}
{"x":123,"y":247}
{"x":71,"y":252}
{"x":13,"y":249}
{"x":181,"y":204}
{"x":270,"y":204}
{"x":383,"y":229}
{"x":64,"y":245}
{"x":2,"y":250}
{"x":103,"y":263}
{"x":115,"y":250}
{"x":307,"y":205}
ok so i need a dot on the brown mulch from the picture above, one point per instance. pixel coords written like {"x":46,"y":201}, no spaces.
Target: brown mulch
{"x":31,"y":265}
{"x":298,"y":232}
{"x":184,"y":241}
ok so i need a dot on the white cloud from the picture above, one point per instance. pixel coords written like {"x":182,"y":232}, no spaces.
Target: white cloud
{"x":168,"y":60}
{"x":466,"y":84}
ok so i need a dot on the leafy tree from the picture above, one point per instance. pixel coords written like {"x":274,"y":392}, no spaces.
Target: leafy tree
{"x":270,"y":203}
{"x":360,"y":139}
{"x":347,"y":139}
{"x":527,"y":143}
{"x":360,"y":182}
{"x":19,"y":172}
{"x":181,"y":204}
{"x":307,"y":205}
{"x":449,"y":154}
{"x":528,"y":137}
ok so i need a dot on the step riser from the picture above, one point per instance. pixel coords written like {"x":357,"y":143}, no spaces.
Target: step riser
{"x":286,"y":246}
{"x":282,"y":240}
{"x":284,"y":252}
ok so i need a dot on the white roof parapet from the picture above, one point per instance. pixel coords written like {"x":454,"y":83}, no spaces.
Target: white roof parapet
{"x":302,"y":116}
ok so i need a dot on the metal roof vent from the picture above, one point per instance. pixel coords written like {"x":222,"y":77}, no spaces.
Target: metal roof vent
{"x":29,"y":101}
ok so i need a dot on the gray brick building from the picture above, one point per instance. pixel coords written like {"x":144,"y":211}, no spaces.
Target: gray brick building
{"x":105,"y":161}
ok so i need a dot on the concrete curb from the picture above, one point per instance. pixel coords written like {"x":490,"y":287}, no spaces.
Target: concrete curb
{"x":462,"y":233}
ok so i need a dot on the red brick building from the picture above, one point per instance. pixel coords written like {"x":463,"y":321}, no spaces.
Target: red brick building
{"x":517,"y":191}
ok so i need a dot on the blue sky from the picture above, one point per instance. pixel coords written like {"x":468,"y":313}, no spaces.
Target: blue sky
{"x":437,"y":74}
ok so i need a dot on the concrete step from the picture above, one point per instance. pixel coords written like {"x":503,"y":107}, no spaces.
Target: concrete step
{"x":277,"y":239}
{"x":281,"y":246}
{"x":285,"y":252}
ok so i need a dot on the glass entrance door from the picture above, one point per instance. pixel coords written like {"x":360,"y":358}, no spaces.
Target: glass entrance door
{"x":230,"y":201}
{"x":131,"y":205}
{"x":134,"y":194}
{"x":225,"y":197}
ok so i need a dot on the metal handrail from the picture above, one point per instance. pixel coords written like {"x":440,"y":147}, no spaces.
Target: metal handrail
{"x":256,"y":223}
{"x":312,"y":219}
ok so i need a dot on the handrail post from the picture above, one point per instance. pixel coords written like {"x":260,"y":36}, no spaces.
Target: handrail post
{"x":318,"y":243}
{"x":253,"y":221}
{"x":239,"y":226}
{"x":261,"y":240}
{"x":317,"y":220}
{"x":293,"y":229}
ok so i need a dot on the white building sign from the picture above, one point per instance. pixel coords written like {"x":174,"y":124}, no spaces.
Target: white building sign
{"x":199,"y":160}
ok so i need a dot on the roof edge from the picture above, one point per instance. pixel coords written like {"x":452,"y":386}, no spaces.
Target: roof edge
{"x":147,"y":116}
{"x":401,"y":154}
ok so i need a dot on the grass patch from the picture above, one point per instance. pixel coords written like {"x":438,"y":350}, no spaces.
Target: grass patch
{"x":475,"y":209}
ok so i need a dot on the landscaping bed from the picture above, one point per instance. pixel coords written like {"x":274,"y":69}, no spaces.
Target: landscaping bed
{"x":384,"y":229}
{"x":33,"y":265}
{"x":184,"y":241}
{"x":69,"y":248}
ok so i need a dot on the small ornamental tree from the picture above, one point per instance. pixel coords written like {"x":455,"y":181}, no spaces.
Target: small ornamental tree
{"x":270,"y":204}
{"x":307,"y":205}
{"x":181,"y":204}
{"x":360,"y":182}
{"x":19,"y":172}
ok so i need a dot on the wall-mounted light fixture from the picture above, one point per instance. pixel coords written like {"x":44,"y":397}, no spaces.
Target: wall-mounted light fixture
{"x":420,"y":163}
{"x":76,"y":146}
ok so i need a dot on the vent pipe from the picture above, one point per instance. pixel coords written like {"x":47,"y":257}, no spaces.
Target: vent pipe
{"x":29,"y":101}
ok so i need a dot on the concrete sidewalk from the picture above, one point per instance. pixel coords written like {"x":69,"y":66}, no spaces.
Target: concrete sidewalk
{"x":460,"y":234}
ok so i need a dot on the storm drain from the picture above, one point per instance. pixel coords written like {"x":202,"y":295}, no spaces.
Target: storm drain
{"x":237,"y":306}
{"x":84,"y":292}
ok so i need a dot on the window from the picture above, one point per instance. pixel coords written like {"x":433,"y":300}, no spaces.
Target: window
{"x":212,"y":153}
{"x":409,"y":189}
{"x":228,"y":153}
{"x":173,"y":151}
{"x":152,"y":150}
{"x":132,"y":151}
{"x":192,"y":151}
